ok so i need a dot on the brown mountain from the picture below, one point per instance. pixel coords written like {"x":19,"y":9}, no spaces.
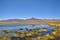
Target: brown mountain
{"x":29,"y":21}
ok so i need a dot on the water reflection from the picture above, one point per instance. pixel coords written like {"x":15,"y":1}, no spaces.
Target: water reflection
{"x":26,"y":27}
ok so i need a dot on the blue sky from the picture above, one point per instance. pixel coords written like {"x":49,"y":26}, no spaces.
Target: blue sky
{"x":24,"y":9}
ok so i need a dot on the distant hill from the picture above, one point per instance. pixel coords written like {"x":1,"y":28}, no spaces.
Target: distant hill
{"x":29,"y":21}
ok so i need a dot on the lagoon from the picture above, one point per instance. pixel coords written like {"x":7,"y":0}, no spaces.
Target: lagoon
{"x":14,"y":28}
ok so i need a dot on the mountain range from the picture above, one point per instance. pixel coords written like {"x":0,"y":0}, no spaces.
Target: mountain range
{"x":29,"y":21}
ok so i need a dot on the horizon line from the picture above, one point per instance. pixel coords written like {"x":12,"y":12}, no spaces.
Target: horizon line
{"x":30,"y":18}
